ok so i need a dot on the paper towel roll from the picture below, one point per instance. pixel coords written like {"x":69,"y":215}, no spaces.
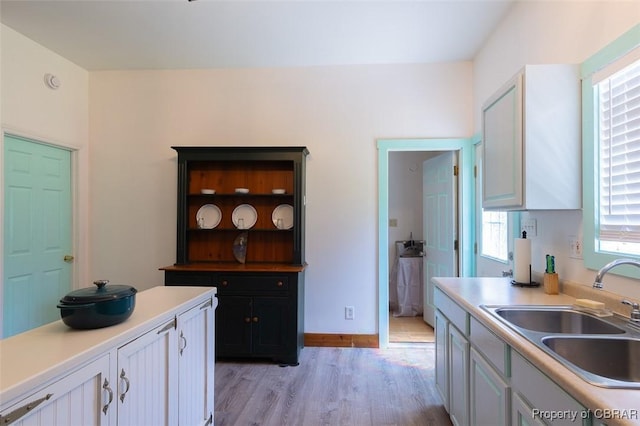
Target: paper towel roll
{"x":522,"y":260}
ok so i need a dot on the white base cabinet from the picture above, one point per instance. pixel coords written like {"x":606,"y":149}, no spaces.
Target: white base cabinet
{"x":155,"y":369}
{"x":83,"y":397}
{"x":195,"y":360}
{"x":147,"y":378}
{"x":483,"y":381}
{"x":458,"y":378}
{"x":489,"y":393}
{"x":442,"y":358}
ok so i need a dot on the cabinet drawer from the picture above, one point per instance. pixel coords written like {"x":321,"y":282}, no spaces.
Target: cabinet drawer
{"x":252,"y":283}
{"x":490,"y":346}
{"x":542,"y":394}
{"x":454,"y":313}
{"x":201,"y":279}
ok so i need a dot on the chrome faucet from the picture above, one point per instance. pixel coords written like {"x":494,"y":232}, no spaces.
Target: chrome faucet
{"x":597,"y":283}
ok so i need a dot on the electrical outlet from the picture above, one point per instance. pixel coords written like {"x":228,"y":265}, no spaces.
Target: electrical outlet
{"x":349,"y":312}
{"x":575,"y":247}
{"x":393,"y":223}
{"x":530,"y":226}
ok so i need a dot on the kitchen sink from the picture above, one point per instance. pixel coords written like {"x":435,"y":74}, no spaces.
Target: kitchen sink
{"x":556,"y":320}
{"x":604,"y":351}
{"x":613,"y":358}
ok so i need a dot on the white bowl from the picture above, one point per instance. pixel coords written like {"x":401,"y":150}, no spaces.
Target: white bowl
{"x":242,"y":190}
{"x":278,"y":191}
{"x":207,"y":191}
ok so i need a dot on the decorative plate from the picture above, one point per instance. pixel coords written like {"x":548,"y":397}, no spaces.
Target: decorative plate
{"x":282,"y":216}
{"x":244,"y":216}
{"x":208,"y":216}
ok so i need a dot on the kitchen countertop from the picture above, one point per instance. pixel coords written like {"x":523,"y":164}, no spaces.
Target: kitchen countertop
{"x":470,"y":293}
{"x":32,"y":358}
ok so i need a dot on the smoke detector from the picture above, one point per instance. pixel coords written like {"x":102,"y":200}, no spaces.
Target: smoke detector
{"x":51,"y":81}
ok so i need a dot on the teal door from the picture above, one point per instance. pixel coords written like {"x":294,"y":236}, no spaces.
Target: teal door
{"x":37,"y":233}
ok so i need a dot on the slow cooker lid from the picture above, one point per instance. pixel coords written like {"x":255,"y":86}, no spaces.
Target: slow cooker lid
{"x":102,"y":292}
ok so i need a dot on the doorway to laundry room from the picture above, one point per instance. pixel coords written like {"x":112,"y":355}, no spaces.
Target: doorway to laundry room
{"x":416,"y":205}
{"x":420,"y":238}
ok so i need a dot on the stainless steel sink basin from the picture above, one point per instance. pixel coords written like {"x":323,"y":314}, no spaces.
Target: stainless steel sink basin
{"x":556,"y":320}
{"x":613,"y":358}
{"x":603,"y":351}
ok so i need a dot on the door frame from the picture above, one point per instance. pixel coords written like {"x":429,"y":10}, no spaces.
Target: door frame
{"x":78,"y":244}
{"x":466,"y":212}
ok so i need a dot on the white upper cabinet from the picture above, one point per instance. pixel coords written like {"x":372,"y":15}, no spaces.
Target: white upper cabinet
{"x":531,"y":141}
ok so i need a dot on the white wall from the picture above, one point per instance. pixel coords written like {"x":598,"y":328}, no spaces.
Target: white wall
{"x":554,"y":32}
{"x":337,"y":112}
{"x":58,"y":117}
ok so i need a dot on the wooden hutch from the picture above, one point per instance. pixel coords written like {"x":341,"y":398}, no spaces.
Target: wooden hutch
{"x":261,"y":286}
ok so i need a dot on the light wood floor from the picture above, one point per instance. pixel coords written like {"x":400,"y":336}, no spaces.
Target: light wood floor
{"x":334,"y":387}
{"x":409,"y":330}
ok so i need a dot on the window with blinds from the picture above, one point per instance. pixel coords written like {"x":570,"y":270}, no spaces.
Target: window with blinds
{"x":618,"y":98}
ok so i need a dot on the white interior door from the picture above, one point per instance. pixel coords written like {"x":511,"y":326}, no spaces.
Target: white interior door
{"x":439,"y":186}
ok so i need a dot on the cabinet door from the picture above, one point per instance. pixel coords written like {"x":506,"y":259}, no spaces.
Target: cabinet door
{"x":522,"y":413}
{"x":488,"y":395}
{"x":233,"y":326}
{"x":146,"y":383}
{"x":273,"y":327}
{"x":196,"y":365}
{"x":502,"y":147}
{"x":458,"y":378}
{"x":83,"y":397}
{"x":442,"y":352}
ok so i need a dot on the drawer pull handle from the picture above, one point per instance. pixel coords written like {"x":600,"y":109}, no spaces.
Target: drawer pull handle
{"x":106,"y":387}
{"x":16,"y":414}
{"x":124,"y":378}
{"x":225,"y":283}
{"x":168,"y":326}
{"x":206,"y":304}
{"x":255,"y":319}
{"x":184,"y":340}
{"x":280,"y":284}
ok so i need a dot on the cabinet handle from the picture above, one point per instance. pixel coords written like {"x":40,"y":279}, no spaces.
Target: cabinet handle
{"x":225,"y":283}
{"x":106,"y":387}
{"x":247,"y":319}
{"x":169,"y":326}
{"x":206,"y":304}
{"x":255,"y":319}
{"x":184,"y":339}
{"x":123,"y":377}
{"x":16,"y":414}
{"x":280,"y":284}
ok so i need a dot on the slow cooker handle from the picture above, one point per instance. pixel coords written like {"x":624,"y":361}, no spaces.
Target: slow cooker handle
{"x":101,"y":283}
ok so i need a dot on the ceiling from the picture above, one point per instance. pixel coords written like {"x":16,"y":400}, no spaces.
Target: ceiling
{"x":181,"y":34}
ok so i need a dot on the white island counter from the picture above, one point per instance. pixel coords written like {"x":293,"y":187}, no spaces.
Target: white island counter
{"x":74,"y":377}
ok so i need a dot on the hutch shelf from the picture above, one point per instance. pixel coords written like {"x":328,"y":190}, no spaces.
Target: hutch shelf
{"x":260,"y":291}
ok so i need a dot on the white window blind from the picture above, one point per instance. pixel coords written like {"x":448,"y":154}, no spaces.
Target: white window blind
{"x":619,"y":165}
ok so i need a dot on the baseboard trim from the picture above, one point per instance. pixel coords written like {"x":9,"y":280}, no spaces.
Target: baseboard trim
{"x":341,"y":340}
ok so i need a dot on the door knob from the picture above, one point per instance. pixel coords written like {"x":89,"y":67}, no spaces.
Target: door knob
{"x":68,"y":258}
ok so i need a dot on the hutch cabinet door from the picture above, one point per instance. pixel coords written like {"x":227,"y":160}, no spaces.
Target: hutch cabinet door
{"x":233,"y":326}
{"x":272,"y":323}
